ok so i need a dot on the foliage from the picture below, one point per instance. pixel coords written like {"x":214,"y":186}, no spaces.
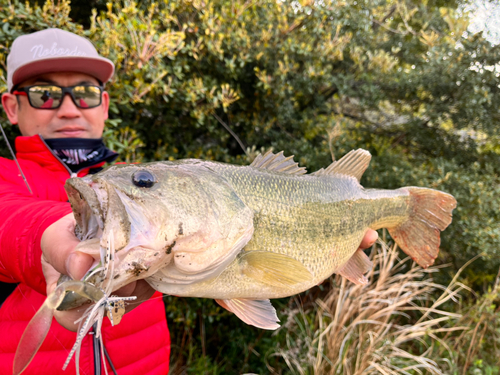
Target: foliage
{"x":478,"y":348}
{"x":207,"y":339}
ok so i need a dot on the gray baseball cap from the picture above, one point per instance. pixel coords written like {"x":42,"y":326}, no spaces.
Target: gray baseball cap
{"x":54,"y":50}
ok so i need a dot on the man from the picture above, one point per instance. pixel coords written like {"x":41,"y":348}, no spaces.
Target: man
{"x":55,"y":98}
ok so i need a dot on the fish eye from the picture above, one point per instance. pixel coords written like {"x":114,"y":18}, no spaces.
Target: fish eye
{"x":143,"y":179}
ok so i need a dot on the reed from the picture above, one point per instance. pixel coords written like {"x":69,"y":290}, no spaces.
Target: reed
{"x":392,"y":325}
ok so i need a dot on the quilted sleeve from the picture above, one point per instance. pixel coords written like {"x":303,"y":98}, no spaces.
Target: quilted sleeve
{"x":23,"y":219}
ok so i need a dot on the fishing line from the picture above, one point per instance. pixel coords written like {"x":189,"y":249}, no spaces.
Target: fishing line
{"x":150,"y":299}
{"x":15,"y":159}
{"x":230,"y":132}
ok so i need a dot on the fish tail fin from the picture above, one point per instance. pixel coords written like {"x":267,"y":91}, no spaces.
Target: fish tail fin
{"x":35,"y":332}
{"x":430,"y":213}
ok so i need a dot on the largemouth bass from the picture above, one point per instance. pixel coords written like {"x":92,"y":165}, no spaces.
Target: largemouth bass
{"x":244,"y":234}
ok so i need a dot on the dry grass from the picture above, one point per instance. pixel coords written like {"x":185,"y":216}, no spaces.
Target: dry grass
{"x":389,"y":326}
{"x":481,"y":342}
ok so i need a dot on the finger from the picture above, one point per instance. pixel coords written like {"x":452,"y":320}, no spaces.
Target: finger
{"x":78,"y":264}
{"x":67,"y":318}
{"x":140,"y":289}
{"x":58,"y":241}
{"x":369,"y":239}
{"x":58,"y":247}
{"x":51,"y":276}
{"x":64,"y":318}
{"x":143,"y":290}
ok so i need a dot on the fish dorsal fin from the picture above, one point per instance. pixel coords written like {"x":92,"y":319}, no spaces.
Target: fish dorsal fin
{"x":274,"y":269}
{"x":354,"y":164}
{"x":258,"y":313}
{"x":278,"y":163}
{"x":356,"y":267}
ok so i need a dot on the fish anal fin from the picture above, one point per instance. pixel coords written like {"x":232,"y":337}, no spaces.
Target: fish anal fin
{"x":356,"y":267}
{"x":353,"y":164}
{"x":274,"y":269}
{"x":258,"y":313}
{"x":278,"y":163}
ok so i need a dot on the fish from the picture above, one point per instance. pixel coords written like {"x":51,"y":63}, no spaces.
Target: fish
{"x":243,"y":235}
{"x":240,"y":234}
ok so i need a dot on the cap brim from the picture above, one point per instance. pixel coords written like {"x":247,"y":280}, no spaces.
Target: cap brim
{"x":97,"y":67}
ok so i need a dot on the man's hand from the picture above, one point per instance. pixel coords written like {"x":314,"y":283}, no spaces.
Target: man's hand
{"x":369,"y":239}
{"x":58,"y":245}
{"x":59,"y":257}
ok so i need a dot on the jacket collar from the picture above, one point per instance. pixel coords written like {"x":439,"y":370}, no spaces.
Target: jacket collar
{"x":36,"y":150}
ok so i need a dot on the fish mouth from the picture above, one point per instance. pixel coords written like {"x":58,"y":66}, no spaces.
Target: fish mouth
{"x":98,"y":211}
{"x":88,"y":210}
{"x":89,"y":216}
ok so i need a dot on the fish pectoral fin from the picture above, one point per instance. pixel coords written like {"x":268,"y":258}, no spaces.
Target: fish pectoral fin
{"x":353,"y":164}
{"x":356,"y":267}
{"x":258,"y":313}
{"x":274,"y":269}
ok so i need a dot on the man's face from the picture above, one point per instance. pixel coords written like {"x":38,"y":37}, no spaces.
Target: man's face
{"x":67,"y":121}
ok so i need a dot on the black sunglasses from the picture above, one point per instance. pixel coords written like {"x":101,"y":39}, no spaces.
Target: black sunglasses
{"x":52,"y":96}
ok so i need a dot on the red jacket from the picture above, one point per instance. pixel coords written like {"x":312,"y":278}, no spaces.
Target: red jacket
{"x":140,"y":344}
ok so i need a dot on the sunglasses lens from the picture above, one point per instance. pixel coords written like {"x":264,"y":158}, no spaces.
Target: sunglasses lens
{"x":45,"y":96}
{"x":51,"y":96}
{"x":87,"y":96}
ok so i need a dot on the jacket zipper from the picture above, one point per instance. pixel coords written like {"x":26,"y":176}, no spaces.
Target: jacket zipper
{"x":71,"y":174}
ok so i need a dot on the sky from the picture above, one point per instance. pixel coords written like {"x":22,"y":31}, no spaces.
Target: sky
{"x":485,"y":17}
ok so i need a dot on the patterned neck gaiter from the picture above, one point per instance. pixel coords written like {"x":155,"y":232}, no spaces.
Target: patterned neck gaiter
{"x":79,"y":153}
